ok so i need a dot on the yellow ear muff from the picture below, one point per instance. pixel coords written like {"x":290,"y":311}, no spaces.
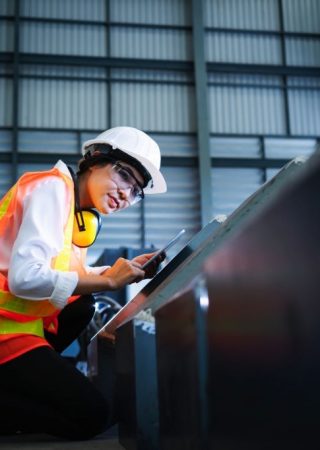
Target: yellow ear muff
{"x":86,"y":226}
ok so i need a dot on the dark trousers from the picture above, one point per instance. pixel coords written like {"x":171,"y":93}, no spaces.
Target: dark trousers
{"x":42,"y":392}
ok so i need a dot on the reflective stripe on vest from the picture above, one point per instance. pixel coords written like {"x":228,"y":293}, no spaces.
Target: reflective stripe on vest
{"x":31,"y":311}
{"x":8,"y":326}
{"x":6,"y":201}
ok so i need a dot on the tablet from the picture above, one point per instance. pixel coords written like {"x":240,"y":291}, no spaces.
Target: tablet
{"x":165,"y":248}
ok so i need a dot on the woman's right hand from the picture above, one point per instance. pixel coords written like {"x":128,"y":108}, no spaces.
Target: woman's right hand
{"x":123,"y":272}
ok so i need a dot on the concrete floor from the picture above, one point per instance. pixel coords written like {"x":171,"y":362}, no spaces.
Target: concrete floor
{"x":107,"y":441}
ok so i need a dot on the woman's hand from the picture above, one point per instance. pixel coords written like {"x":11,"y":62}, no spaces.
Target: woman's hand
{"x":152,"y":269}
{"x":124,"y":272}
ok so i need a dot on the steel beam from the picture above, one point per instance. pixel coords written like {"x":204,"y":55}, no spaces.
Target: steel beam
{"x":202,"y":111}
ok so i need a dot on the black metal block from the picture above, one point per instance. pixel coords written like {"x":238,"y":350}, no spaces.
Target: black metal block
{"x":264,"y":324}
{"x":137,"y":386}
{"x":182,"y":372}
{"x":244,"y":373}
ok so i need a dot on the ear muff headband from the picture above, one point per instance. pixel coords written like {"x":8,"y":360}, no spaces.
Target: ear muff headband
{"x":87,"y":223}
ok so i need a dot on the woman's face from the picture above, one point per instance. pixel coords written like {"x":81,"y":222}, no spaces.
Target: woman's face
{"x":102,"y":188}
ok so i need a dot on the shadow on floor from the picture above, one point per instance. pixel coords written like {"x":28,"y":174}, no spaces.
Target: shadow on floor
{"x":105,"y":441}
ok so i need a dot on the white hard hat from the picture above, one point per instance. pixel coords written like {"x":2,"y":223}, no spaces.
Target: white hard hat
{"x":139,"y":146}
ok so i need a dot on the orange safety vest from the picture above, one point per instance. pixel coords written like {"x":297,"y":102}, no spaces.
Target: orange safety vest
{"x":18,"y":315}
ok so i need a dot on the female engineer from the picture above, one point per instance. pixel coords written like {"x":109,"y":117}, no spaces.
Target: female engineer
{"x":47,"y":220}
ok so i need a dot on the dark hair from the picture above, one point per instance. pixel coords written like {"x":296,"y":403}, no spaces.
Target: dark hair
{"x":85,"y":163}
{"x":102,"y":154}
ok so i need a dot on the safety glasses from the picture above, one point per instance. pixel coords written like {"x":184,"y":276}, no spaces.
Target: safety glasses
{"x":129,"y":182}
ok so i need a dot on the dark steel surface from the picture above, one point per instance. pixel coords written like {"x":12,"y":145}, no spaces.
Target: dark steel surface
{"x":264,"y":322}
{"x":137,"y":386}
{"x":182,"y":407}
{"x":261,"y":355}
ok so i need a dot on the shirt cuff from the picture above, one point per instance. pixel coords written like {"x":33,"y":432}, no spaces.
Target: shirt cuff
{"x":66,"y":284}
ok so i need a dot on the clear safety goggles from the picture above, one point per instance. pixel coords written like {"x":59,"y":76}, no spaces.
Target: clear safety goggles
{"x":129,"y":182}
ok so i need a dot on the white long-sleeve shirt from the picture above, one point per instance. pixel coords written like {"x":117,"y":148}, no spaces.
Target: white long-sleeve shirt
{"x":26,"y":256}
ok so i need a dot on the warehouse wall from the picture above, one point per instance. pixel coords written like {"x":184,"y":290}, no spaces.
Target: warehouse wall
{"x":72,"y":68}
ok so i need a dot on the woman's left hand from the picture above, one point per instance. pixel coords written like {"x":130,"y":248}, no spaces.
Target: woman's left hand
{"x":153,"y":267}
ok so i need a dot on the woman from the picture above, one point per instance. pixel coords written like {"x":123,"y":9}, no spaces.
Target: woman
{"x":46,"y":223}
